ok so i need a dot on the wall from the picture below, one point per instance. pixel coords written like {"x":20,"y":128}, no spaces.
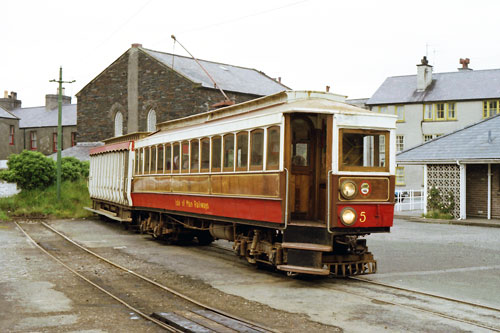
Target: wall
{"x":45,"y":137}
{"x":477,"y":190}
{"x":413,"y":127}
{"x":5,"y":148}
{"x":156,"y":86}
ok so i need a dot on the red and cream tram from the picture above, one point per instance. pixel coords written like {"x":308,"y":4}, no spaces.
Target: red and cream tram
{"x":294,"y":179}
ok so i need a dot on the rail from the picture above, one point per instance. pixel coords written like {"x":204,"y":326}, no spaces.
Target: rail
{"x":409,"y":199}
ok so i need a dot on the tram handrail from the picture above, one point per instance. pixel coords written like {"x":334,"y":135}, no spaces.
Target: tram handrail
{"x":329,"y":201}
{"x":286,"y":199}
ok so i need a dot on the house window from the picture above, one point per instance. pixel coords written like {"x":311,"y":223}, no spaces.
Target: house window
{"x":400,"y":176}
{"x":400,"y":112}
{"x":440,"y":114}
{"x":428,"y":112}
{"x":54,"y":142}
{"x":11,"y":135}
{"x":382,"y":109}
{"x":151,"y":121}
{"x":33,"y":140}
{"x":73,"y":139}
{"x":400,"y":143}
{"x":490,"y":108}
{"x":451,"y":111}
{"x":118,"y":124}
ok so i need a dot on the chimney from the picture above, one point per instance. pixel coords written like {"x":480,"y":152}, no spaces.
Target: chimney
{"x":10,"y":102}
{"x":327,"y":88}
{"x":52,"y":100}
{"x":136,"y":45}
{"x":424,"y":74}
{"x":465,"y":64}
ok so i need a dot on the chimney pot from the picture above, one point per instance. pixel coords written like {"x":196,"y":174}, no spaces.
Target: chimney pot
{"x":465,"y":64}
{"x":327,"y":88}
{"x":136,"y":45}
{"x":279,"y":79}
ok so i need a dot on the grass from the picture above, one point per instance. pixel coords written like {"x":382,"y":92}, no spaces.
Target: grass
{"x":438,"y":215}
{"x":43,"y":203}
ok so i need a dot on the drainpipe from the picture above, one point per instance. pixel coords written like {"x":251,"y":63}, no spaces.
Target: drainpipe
{"x":463,"y":191}
{"x":425,"y":188}
{"x":489,"y":191}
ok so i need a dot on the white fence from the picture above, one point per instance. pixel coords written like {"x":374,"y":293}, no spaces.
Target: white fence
{"x":408,"y":200}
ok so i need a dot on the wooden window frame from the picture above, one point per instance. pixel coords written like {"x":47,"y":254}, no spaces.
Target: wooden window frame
{"x":398,"y":143}
{"x":201,"y":154}
{"x":387,"y":147}
{"x":425,"y":113}
{"x":12,"y":130}
{"x":402,"y":119}
{"x":212,"y":152}
{"x":33,"y":141}
{"x":261,"y":166}
{"x":228,"y":168}
{"x":380,"y":108}
{"x":247,"y":133}
{"x":162,"y":154}
{"x":454,"y":111}
{"x":438,"y":110}
{"x":191,"y":155}
{"x":185,"y":170}
{"x":54,"y":142}
{"x":154,"y":159}
{"x":166,"y":147}
{"x":178,"y":145}
{"x":400,"y":176}
{"x":267,"y":151}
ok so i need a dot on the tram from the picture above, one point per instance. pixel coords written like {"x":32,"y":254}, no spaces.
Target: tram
{"x":295,"y":180}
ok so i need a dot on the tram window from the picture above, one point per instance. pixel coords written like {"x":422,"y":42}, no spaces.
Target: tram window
{"x":301,"y":142}
{"x":205,"y":154}
{"x":141,"y":161}
{"x":168,"y":159}
{"x":153,"y":159}
{"x":229,"y":152}
{"x":242,"y":151}
{"x":176,"y":158}
{"x":364,"y":149}
{"x":185,"y":156}
{"x":216,"y":153}
{"x":161,"y":159}
{"x":195,"y":153}
{"x":256,"y":149}
{"x":273,"y":148}
{"x":147,"y":162}
{"x":137,"y":159}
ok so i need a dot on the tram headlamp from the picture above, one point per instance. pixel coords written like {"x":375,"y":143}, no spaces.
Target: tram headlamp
{"x":348,"y":189}
{"x":348,"y":216}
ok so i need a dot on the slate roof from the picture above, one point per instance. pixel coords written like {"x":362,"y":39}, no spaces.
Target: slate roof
{"x":81,"y":151}
{"x":41,"y":117}
{"x":453,"y":86}
{"x":6,"y":114}
{"x":475,"y":143}
{"x":228,"y":77}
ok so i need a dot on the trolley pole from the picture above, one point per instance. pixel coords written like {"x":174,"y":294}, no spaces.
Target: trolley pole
{"x":59,"y":131}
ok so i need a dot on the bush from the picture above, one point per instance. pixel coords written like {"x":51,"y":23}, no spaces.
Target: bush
{"x":31,"y":169}
{"x":440,"y":205}
{"x":73,"y":169}
{"x":7,"y":175}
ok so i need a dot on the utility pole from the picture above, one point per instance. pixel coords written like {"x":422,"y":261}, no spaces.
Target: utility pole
{"x":59,"y":131}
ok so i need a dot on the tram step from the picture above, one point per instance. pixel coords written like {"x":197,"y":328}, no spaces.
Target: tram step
{"x":308,"y":235}
{"x":304,"y":270}
{"x":308,"y":247}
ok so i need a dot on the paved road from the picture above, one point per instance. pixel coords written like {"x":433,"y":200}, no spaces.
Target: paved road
{"x":455,"y":261}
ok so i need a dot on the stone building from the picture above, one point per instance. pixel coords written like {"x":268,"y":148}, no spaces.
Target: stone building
{"x":465,"y":164}
{"x":429,"y":105}
{"x":144,"y":87}
{"x":35,"y":128}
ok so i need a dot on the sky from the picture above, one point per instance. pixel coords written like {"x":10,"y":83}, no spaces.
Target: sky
{"x":351,"y":46}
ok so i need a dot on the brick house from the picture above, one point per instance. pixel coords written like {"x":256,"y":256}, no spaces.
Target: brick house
{"x":35,"y":128}
{"x":465,"y":163}
{"x":144,"y":87}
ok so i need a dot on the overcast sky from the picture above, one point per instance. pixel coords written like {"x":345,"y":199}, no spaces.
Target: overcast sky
{"x":350,"y":45}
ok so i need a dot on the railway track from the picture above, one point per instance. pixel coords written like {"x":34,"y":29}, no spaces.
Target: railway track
{"x":156,"y":303}
{"x":436,"y":305}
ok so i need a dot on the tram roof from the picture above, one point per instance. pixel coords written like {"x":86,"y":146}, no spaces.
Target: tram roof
{"x":284,"y":101}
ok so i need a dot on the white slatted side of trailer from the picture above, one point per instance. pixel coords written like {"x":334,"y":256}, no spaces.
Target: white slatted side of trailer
{"x":108,"y":179}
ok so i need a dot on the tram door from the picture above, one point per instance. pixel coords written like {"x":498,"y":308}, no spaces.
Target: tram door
{"x":303,"y":158}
